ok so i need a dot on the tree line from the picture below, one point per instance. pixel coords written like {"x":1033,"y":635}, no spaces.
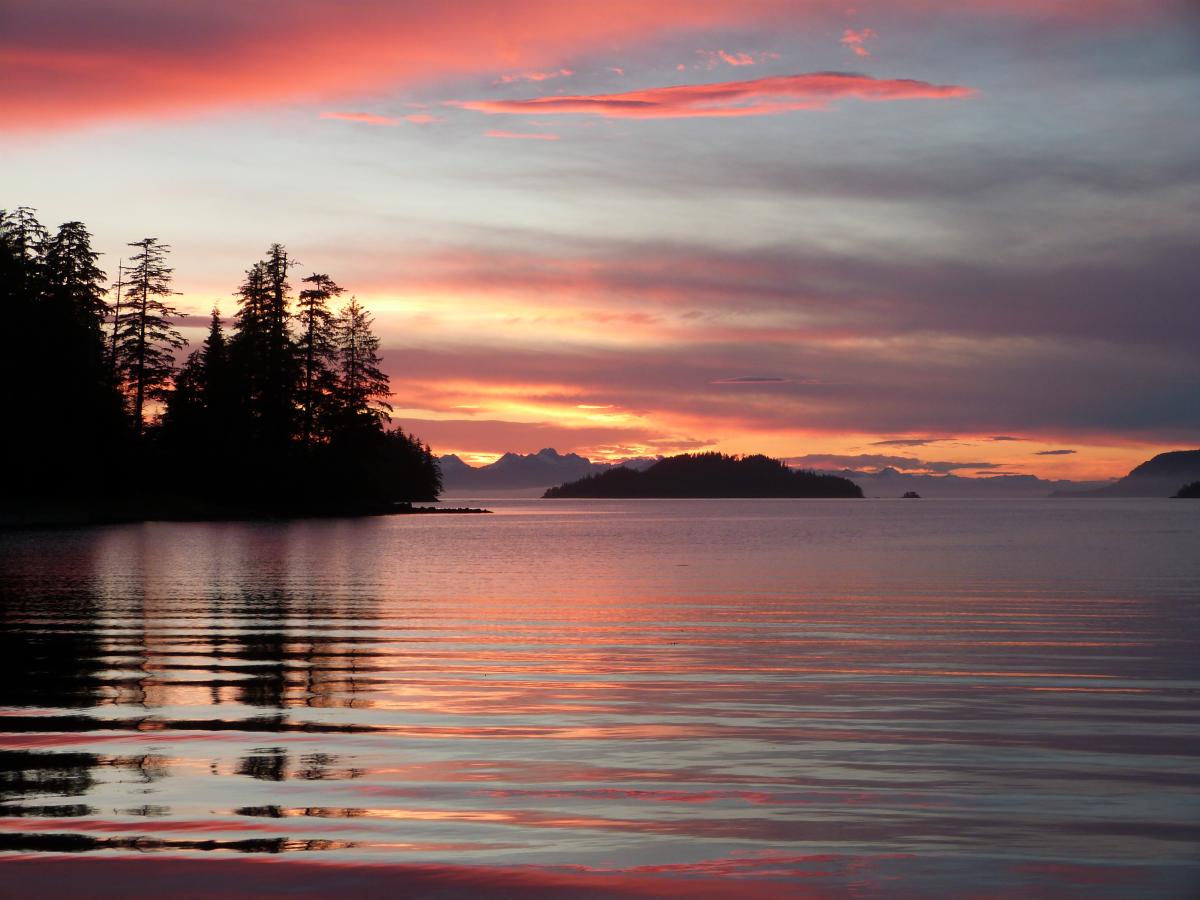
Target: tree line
{"x":284,"y":411}
{"x":710,"y":474}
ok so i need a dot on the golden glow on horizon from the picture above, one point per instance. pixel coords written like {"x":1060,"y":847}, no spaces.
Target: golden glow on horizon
{"x":575,"y":411}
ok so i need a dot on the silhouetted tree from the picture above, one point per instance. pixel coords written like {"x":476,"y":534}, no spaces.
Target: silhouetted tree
{"x":317,"y":352}
{"x":185,"y":412}
{"x":362,"y":386}
{"x":73,"y":278}
{"x":114,"y":317}
{"x":145,"y":335}
{"x":57,"y":397}
{"x":218,"y":391}
{"x":262,"y":355}
{"x":26,"y":241}
{"x":197,"y":419}
{"x":73,"y":336}
{"x":281,"y":387}
{"x":22,"y":241}
{"x":22,"y":250}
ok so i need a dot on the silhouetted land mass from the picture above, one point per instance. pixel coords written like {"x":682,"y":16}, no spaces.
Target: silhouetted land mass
{"x":1157,"y":477}
{"x":516,"y":472}
{"x":707,"y":475}
{"x":1189,"y":491}
{"x":890,"y":482}
{"x":283,"y":415}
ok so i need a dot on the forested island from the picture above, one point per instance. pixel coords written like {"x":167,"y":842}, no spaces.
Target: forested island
{"x":283,"y":414}
{"x":712,"y":475}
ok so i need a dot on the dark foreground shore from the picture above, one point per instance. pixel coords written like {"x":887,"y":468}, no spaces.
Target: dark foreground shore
{"x":18,"y":514}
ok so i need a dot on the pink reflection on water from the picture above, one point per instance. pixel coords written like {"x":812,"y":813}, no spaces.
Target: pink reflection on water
{"x":185,"y":879}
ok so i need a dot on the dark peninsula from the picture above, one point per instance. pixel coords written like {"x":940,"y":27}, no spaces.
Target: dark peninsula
{"x":281,"y":411}
{"x":707,"y":475}
{"x":1189,"y":492}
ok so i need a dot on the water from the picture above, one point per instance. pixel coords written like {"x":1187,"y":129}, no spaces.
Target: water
{"x":625,"y":698}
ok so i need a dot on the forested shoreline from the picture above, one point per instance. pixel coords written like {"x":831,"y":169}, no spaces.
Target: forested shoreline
{"x":707,"y":475}
{"x":281,"y":411}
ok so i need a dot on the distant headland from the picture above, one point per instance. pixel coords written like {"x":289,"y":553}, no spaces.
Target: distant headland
{"x":1160,"y":476}
{"x":707,"y":475}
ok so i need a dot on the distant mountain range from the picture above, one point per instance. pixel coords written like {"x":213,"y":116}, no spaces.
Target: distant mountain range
{"x":1161,"y":476}
{"x":891,"y":483}
{"x":525,"y":475}
{"x":528,"y":475}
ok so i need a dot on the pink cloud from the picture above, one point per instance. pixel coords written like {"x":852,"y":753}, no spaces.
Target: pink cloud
{"x":66,"y":64}
{"x":855,"y":41}
{"x":762,"y":96}
{"x":522,"y":135}
{"x":712,"y":59}
{"x":363,"y":117}
{"x":534,"y":76}
{"x":367,"y":118}
{"x":736,"y":59}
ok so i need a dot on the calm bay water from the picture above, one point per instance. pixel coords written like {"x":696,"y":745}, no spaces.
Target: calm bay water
{"x":642,"y":698}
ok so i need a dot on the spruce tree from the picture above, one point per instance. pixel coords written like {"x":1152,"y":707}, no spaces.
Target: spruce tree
{"x":317,"y":354}
{"x":215,"y":356}
{"x":22,"y":334}
{"x":196,"y":424}
{"x":25,"y":238}
{"x":72,"y":277}
{"x":263,"y":356}
{"x":145,"y":335}
{"x":73,"y":314}
{"x":362,"y":385}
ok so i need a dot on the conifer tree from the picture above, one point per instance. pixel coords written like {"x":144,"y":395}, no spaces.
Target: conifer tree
{"x":145,"y":335}
{"x":185,"y":409}
{"x":317,"y":353}
{"x":215,"y":354}
{"x":114,"y":317}
{"x":73,"y":312}
{"x":196,"y":425}
{"x":219,"y":394}
{"x":25,"y":238}
{"x":54,"y":354}
{"x":22,"y":241}
{"x":362,"y":385}
{"x":262,"y":354}
{"x":72,"y":277}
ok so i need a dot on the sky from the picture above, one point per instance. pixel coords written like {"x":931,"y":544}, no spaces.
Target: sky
{"x":943,"y":236}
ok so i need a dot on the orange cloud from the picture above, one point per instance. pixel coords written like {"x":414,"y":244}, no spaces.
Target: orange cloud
{"x":364,"y":117}
{"x":762,"y":96}
{"x":521,"y":135}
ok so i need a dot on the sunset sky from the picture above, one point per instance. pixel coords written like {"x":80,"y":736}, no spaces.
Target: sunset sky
{"x":956,"y":236}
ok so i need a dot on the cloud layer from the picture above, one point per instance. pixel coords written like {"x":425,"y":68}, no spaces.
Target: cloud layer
{"x":760,"y":96}
{"x":634,"y":265}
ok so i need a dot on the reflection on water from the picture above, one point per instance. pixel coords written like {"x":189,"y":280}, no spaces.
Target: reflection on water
{"x":641,"y":698}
